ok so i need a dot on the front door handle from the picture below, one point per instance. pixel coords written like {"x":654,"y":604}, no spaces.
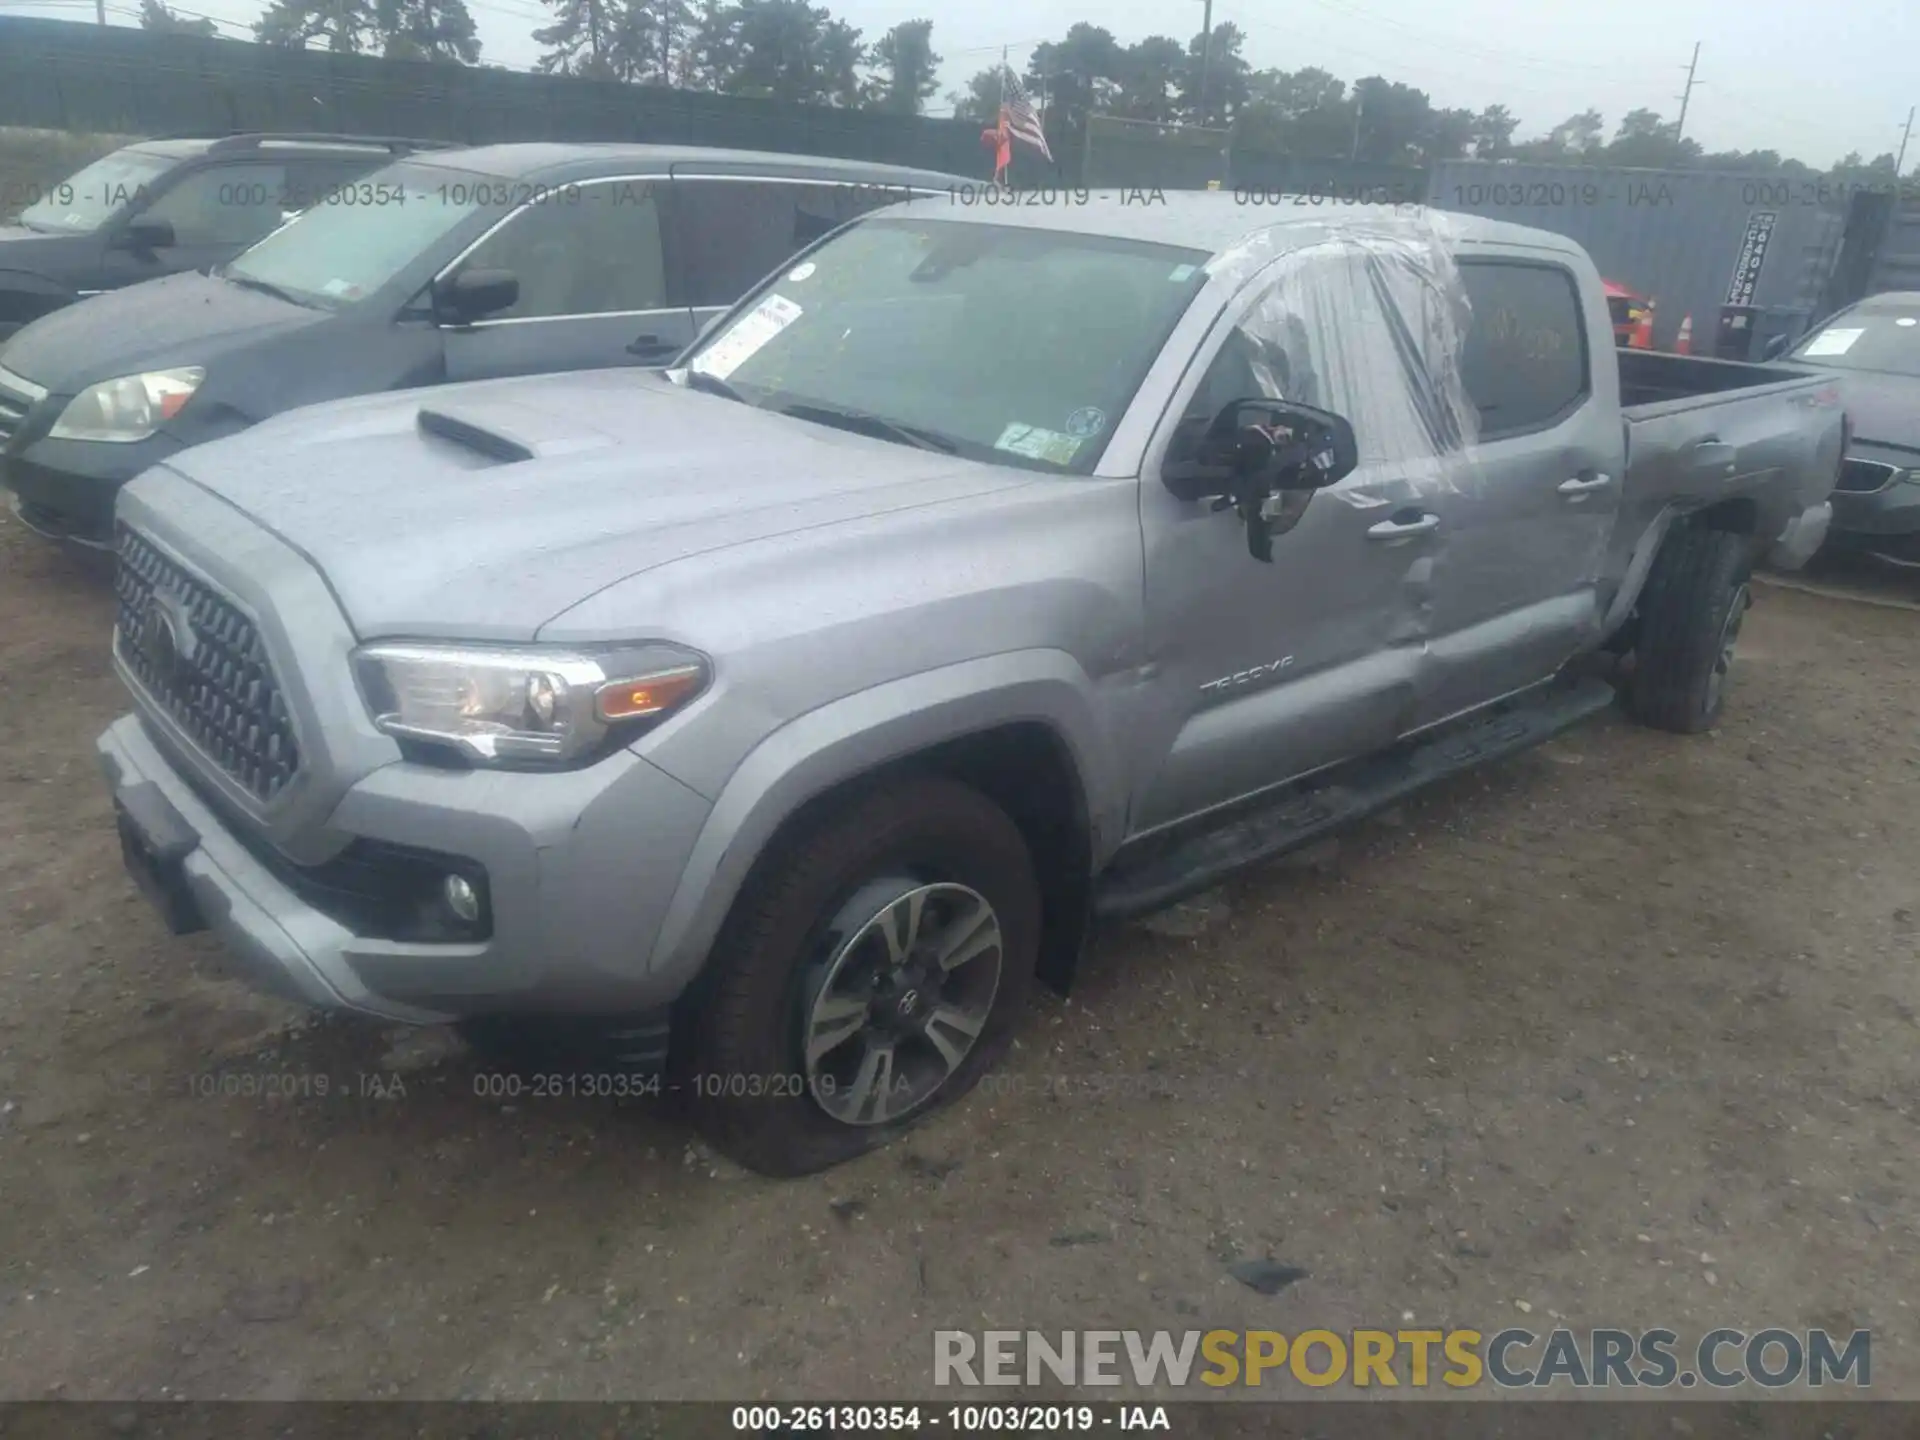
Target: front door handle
{"x":653,"y":347}
{"x":1714,"y":454}
{"x":1405,"y":525}
{"x":1584,"y":484}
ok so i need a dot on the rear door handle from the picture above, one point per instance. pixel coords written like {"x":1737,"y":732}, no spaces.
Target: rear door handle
{"x":1584,"y":484}
{"x":1397,"y":529}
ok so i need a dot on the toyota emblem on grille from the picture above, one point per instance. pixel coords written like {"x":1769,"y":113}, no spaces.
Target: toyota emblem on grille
{"x":167,"y":635}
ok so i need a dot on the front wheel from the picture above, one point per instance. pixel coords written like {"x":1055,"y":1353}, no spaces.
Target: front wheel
{"x":873,"y":969}
{"x":1690,"y":615}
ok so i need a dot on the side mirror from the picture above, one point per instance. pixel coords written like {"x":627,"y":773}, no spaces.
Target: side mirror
{"x":1265,"y":445}
{"x":1257,"y":456}
{"x":471,"y":295}
{"x":144,"y":235}
{"x":1775,"y":347}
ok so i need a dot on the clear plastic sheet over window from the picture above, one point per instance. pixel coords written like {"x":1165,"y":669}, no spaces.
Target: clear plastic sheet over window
{"x":1366,"y":320}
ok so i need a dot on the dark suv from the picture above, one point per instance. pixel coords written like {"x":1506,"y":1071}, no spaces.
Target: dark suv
{"x":506,"y":260}
{"x":167,"y":205}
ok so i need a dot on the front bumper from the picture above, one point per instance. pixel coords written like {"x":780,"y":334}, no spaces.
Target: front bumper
{"x":65,"y":489}
{"x":580,"y":867}
{"x":1860,"y":517}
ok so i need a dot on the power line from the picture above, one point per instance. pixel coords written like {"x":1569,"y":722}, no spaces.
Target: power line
{"x":1457,"y":46}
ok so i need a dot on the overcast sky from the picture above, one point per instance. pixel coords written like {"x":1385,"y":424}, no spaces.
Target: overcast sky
{"x":1812,"y":79}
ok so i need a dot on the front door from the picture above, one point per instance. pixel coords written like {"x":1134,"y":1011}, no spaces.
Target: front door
{"x":593,"y":289}
{"x":216,"y":211}
{"x":1274,"y":670}
{"x":1515,"y":584}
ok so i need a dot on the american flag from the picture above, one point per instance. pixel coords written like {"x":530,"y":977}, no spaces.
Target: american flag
{"x":1017,"y":114}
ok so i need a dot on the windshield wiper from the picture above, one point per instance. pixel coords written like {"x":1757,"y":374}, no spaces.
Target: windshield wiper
{"x":247,"y":282}
{"x":700,"y":380}
{"x":861,"y":423}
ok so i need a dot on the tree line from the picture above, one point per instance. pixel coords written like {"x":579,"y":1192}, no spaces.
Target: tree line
{"x":795,"y":51}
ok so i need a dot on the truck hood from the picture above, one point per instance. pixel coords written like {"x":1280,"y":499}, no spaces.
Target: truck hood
{"x":187,"y":319}
{"x":549,"y":490}
{"x":1885,"y":409}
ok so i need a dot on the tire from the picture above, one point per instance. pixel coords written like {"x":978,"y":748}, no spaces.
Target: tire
{"x":804,"y":950}
{"x":1689,"y":619}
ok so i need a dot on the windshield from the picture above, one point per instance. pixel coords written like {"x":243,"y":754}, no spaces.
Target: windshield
{"x":86,"y":201}
{"x":1003,"y":343}
{"x":1873,"y":337}
{"x":350,"y":243}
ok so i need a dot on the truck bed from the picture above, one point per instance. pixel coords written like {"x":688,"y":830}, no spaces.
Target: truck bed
{"x":1651,"y":381}
{"x":1703,"y":431}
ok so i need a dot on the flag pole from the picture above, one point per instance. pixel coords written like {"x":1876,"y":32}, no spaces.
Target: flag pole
{"x":1006,"y":176}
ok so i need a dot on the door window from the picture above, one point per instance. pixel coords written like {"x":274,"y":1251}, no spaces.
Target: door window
{"x":734,"y":232}
{"x":224,"y":204}
{"x":1327,"y":331}
{"x":581,"y":250}
{"x":1524,"y":361}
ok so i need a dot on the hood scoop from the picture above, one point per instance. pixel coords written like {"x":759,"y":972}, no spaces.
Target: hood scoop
{"x":508,"y":434}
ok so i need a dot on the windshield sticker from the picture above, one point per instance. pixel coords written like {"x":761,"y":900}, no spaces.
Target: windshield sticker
{"x":1087,"y":421}
{"x":1038,"y":443}
{"x":1182,"y":272}
{"x":747,"y":335}
{"x":800,"y":272}
{"x":1834,"y":342}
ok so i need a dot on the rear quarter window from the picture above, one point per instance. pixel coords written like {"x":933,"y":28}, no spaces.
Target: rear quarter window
{"x":1524,"y":360}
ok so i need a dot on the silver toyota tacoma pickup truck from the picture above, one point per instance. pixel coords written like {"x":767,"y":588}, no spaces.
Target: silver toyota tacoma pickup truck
{"x":777,"y":719}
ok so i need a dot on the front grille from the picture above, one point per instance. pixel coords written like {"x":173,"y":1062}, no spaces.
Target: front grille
{"x":203,"y":662}
{"x":1863,"y":477}
{"x":13,"y":410}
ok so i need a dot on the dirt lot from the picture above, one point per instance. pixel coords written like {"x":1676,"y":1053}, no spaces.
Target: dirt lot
{"x":1622,"y":1031}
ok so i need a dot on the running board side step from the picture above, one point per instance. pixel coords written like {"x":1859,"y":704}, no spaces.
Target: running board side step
{"x":1301,"y":814}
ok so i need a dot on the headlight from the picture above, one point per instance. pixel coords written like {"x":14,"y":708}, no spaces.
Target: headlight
{"x":538,"y":707}
{"x":127,"y":409}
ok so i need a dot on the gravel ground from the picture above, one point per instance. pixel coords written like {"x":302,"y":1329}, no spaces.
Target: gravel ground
{"x":1620,"y":1033}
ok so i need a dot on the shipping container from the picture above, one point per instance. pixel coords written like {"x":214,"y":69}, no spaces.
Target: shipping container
{"x":1693,"y":241}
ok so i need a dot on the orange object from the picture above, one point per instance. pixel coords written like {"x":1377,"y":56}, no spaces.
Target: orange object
{"x":1000,"y":141}
{"x":1643,"y":328}
{"x":1683,"y":342}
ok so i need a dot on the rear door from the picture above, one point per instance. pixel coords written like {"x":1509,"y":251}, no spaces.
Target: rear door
{"x":591,"y":263}
{"x":1515,"y":579}
{"x":732,"y":231}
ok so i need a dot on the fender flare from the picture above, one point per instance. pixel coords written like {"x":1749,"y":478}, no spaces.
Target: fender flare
{"x":1639,"y":566}
{"x":860,"y":733}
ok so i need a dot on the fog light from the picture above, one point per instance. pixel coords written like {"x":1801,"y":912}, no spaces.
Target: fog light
{"x":461,"y":898}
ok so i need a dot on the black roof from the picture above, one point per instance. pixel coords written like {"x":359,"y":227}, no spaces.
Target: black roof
{"x":562,"y":162}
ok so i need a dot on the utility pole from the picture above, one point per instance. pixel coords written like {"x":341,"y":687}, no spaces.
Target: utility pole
{"x":1680,"y":125}
{"x":1206,"y":56}
{"x":1905,"y":135}
{"x":100,"y":11}
{"x":1359,"y":109}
